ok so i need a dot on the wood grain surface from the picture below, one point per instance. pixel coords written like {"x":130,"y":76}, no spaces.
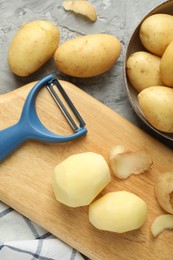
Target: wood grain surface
{"x":25,"y":176}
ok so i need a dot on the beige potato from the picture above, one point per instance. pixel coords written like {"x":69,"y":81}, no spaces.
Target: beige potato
{"x":143,"y":70}
{"x":156,"y":32}
{"x":118,"y":211}
{"x":32,"y":46}
{"x":156,"y":104}
{"x":77,"y":180}
{"x":166,"y":66}
{"x":87,"y":56}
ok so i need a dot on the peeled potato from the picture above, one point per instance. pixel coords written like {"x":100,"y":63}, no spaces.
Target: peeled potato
{"x":87,"y":56}
{"x":143,"y":70}
{"x":32,"y":46}
{"x":80,"y":178}
{"x":156,"y":104}
{"x":156,"y":32}
{"x":119,"y":212}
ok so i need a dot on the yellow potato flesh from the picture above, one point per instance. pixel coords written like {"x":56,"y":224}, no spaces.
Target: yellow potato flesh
{"x":87,"y":56}
{"x":80,"y":178}
{"x":32,"y":46}
{"x":156,"y":104}
{"x":156,"y":32}
{"x":143,"y":70}
{"x":119,"y":212}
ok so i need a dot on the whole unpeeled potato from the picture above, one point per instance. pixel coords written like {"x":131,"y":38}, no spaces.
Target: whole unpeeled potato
{"x":87,"y":56}
{"x":143,"y":70}
{"x":32,"y":46}
{"x":156,"y":104}
{"x":166,"y":66}
{"x":156,"y":32}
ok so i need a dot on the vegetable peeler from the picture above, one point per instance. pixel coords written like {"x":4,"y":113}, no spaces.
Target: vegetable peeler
{"x":29,"y":125}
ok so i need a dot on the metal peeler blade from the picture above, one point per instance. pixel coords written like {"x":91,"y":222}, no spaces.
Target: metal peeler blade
{"x":62,"y":107}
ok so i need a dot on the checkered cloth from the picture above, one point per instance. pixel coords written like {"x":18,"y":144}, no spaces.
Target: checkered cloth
{"x":22,"y":239}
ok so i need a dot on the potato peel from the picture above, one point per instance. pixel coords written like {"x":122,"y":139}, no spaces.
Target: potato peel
{"x":125,"y":163}
{"x":81,"y":7}
{"x":164,"y":190}
{"x":162,"y":223}
{"x":118,"y":149}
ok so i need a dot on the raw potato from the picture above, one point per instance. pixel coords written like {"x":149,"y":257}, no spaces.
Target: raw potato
{"x":125,"y":163}
{"x":80,"y":178}
{"x":164,"y":191}
{"x":161,"y":223}
{"x":156,"y":104}
{"x":156,"y":32}
{"x":166,"y":66}
{"x":87,"y":56}
{"x":81,"y":7}
{"x":32,"y":46}
{"x":143,"y":70}
{"x":119,"y":212}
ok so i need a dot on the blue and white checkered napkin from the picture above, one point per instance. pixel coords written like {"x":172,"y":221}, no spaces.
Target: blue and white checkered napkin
{"x":21,"y":239}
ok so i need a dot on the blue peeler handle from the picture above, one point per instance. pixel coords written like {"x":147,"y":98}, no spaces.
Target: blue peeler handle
{"x":10,"y":139}
{"x":13,"y":136}
{"x":29,"y":125}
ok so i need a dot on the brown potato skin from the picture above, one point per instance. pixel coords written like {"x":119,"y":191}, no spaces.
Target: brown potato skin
{"x":87,"y":56}
{"x":139,"y":70}
{"x":166,"y":66}
{"x":163,"y":191}
{"x":32,"y":46}
{"x":156,"y":104}
{"x":156,"y":32}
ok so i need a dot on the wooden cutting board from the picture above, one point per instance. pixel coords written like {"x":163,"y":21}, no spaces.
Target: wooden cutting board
{"x":25,"y":177}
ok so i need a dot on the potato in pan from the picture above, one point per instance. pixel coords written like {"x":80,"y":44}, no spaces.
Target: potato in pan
{"x":149,"y":84}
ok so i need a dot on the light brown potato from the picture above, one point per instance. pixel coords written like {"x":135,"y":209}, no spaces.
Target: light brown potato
{"x":156,"y":32}
{"x":77,"y":180}
{"x":143,"y":70}
{"x":166,"y":66}
{"x":164,"y":191}
{"x":118,"y":211}
{"x":32,"y":46}
{"x":157,"y":106}
{"x":87,"y":56}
